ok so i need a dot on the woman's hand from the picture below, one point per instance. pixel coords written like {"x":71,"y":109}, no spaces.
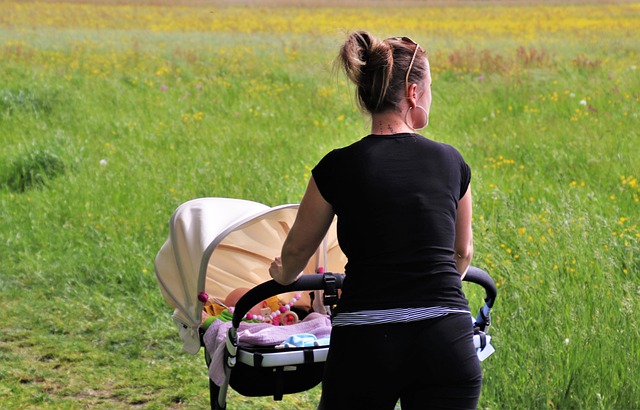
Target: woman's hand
{"x":275,"y":270}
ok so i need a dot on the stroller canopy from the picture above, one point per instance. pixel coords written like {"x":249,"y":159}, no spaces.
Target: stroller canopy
{"x":216,"y":245}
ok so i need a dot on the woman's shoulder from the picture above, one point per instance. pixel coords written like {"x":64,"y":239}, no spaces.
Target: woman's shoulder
{"x":348,"y":149}
{"x":442,"y":147}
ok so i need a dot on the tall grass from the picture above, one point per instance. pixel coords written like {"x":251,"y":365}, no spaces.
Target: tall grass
{"x":115,"y":127}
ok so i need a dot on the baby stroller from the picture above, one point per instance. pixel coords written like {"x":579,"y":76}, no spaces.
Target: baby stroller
{"x":217,"y":245}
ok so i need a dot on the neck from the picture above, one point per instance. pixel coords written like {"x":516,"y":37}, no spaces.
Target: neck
{"x":388,"y":123}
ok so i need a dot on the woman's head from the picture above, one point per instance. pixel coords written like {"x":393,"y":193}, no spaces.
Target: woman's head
{"x":384,"y":70}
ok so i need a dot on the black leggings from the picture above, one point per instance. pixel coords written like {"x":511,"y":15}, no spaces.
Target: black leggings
{"x":430,"y":364}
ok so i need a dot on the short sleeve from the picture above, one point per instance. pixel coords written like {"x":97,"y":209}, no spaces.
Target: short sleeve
{"x":465,"y":178}
{"x":323,"y":175}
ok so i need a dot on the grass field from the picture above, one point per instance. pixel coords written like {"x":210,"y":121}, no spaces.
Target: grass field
{"x":113,"y":113}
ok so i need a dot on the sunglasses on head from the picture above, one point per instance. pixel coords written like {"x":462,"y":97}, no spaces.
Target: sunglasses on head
{"x":413,"y":58}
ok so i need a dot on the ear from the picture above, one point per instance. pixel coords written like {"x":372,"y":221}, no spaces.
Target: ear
{"x":412,"y":95}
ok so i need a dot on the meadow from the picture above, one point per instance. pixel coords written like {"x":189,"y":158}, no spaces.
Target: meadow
{"x":113,"y":113}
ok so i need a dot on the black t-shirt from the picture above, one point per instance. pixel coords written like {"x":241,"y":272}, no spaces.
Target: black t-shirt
{"x":396,"y":198}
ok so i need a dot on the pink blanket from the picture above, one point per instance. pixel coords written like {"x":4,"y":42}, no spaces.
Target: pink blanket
{"x":258,"y":334}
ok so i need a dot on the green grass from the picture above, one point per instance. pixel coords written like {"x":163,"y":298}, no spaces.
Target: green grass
{"x":134,"y":130}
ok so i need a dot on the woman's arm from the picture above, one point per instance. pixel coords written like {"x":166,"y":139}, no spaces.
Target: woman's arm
{"x":311,"y":225}
{"x":463,"y":246}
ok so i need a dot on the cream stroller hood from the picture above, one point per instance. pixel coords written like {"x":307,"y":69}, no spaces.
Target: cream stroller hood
{"x":218,"y":244}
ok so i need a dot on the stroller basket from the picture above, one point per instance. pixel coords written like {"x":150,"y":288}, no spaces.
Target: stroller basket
{"x":273,"y":381}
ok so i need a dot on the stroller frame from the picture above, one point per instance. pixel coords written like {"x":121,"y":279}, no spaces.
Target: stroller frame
{"x":216,"y":245}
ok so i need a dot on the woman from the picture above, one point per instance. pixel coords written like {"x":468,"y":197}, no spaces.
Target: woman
{"x":402,"y":328}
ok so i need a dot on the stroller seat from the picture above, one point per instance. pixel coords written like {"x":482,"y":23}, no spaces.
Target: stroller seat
{"x":251,"y":358}
{"x":262,"y":344}
{"x":266,"y":370}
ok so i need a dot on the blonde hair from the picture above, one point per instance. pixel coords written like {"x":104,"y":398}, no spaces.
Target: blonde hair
{"x":378,"y":69}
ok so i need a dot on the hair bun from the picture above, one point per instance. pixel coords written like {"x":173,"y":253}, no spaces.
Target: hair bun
{"x":368,"y":63}
{"x":364,"y":42}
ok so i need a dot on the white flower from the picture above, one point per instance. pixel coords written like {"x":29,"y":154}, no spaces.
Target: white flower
{"x":103,"y":162}
{"x":583,"y":102}
{"x":566,"y":341}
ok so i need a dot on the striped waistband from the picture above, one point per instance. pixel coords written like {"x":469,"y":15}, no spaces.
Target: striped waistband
{"x":397,"y":315}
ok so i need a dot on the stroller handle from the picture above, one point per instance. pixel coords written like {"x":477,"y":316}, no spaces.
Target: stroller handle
{"x":482,"y":278}
{"x":267,"y":289}
{"x":319,"y":281}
